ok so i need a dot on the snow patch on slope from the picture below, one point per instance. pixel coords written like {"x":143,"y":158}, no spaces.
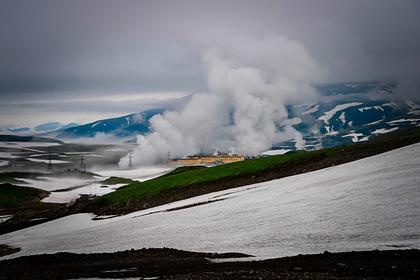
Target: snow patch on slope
{"x":329,"y":114}
{"x":384,"y":130}
{"x":354,"y":136}
{"x":275,"y":152}
{"x":95,"y":124}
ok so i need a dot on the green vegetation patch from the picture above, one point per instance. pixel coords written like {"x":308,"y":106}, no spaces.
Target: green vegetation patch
{"x":187,"y":176}
{"x":182,"y":169}
{"x":12,"y":196}
{"x":117,"y":180}
{"x":13,"y":177}
{"x":191,"y":176}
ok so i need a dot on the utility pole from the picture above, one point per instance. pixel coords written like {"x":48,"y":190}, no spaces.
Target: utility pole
{"x":168,"y":157}
{"x":130,"y":160}
{"x":49,"y":166}
{"x":82,"y":164}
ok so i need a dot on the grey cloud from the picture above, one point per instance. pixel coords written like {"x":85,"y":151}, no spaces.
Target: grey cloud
{"x":65,"y":48}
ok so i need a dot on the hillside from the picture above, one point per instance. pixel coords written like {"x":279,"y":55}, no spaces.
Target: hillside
{"x":350,"y":113}
{"x":12,"y":196}
{"x":193,"y":182}
{"x":129,"y":125}
{"x":368,"y":204}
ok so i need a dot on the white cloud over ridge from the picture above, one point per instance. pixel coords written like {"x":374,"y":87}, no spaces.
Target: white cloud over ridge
{"x":248,"y":90}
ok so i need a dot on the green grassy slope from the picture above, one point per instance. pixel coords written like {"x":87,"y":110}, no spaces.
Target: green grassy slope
{"x":187,"y":178}
{"x":117,"y":180}
{"x":195,"y":176}
{"x":12,"y":196}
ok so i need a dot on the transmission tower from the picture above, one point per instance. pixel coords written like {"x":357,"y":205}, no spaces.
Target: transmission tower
{"x":168,"y":157}
{"x":130,"y":161}
{"x":49,"y":166}
{"x":82,"y":164}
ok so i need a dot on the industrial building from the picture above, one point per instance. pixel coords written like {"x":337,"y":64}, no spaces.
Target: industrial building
{"x":208,"y":160}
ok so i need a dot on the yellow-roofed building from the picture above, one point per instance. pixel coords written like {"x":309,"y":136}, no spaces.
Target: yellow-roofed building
{"x":208,"y":160}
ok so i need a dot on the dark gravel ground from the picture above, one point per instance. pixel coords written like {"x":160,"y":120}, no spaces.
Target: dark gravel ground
{"x":7,"y":250}
{"x":36,"y":212}
{"x":176,"y":264}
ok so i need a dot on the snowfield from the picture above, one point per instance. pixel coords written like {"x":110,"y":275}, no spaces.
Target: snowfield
{"x":73,"y":194}
{"x":328,"y":115}
{"x":53,"y":161}
{"x":26,"y":144}
{"x":54,"y":183}
{"x":275,"y":152}
{"x":68,"y":189}
{"x":142,"y":173}
{"x":384,"y":130}
{"x":373,"y":203}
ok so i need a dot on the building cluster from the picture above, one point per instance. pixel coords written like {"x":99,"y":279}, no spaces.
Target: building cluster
{"x":208,"y":160}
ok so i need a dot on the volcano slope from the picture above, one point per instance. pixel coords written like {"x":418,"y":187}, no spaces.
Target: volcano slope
{"x":367,"y":204}
{"x":189,"y":182}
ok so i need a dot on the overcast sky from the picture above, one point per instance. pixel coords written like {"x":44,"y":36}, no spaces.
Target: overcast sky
{"x":81,"y":60}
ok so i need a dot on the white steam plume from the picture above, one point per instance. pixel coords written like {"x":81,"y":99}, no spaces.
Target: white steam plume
{"x":249,"y":87}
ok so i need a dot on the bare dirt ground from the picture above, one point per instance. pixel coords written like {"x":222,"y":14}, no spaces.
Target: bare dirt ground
{"x":175,"y":264}
{"x":35,"y":212}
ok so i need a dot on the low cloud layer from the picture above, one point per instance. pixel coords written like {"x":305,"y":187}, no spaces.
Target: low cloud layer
{"x":249,"y":86}
{"x":60,"y":50}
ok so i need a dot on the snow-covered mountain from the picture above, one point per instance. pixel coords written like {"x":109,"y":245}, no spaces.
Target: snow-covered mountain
{"x":18,"y":129}
{"x":51,"y":126}
{"x":352,"y":113}
{"x":345,"y":113}
{"x":124,"y":126}
{"x":45,"y":127}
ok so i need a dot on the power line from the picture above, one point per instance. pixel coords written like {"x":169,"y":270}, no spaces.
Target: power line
{"x":168,"y":157}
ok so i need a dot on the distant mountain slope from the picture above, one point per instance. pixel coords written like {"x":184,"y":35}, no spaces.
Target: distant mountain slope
{"x":351,"y":113}
{"x":344,"y":113}
{"x":69,"y":125}
{"x":124,"y":126}
{"x":51,"y":126}
{"x":48,"y":126}
{"x":45,"y":127}
{"x":20,"y":129}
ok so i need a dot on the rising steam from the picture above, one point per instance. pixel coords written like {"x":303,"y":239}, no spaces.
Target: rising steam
{"x":249,"y":88}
